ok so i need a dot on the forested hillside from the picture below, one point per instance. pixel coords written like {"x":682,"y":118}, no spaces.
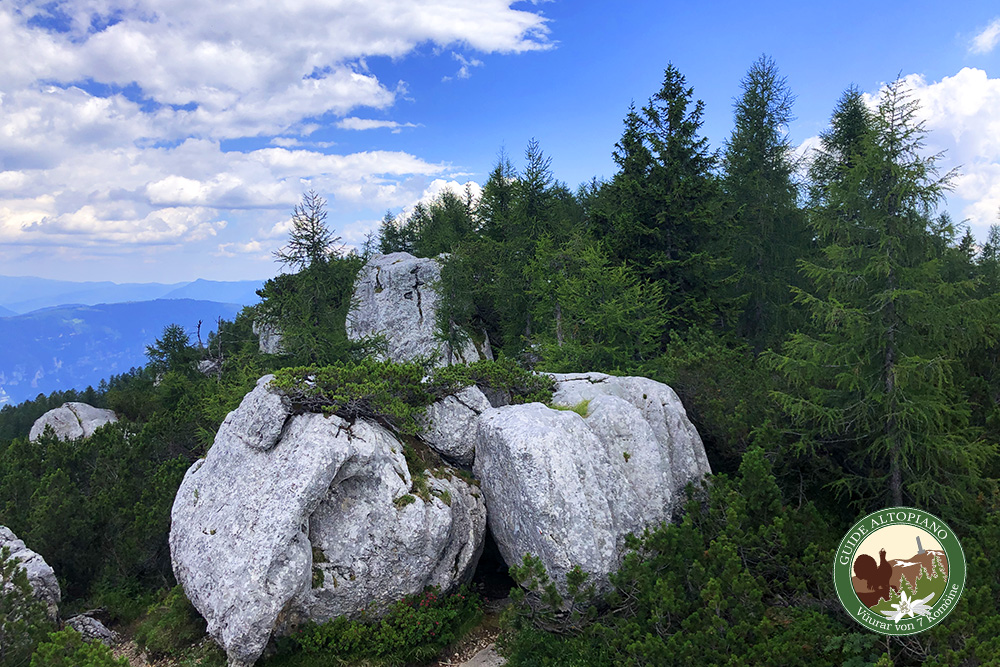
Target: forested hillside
{"x":832,"y":334}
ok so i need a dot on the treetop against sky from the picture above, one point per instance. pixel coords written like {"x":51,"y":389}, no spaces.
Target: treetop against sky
{"x":146,"y":140}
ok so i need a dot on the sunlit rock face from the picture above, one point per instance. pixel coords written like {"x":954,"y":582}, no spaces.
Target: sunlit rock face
{"x":568,"y":488}
{"x":72,"y":420}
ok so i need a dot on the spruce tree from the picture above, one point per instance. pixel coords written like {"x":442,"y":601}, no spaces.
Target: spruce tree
{"x":873,"y":381}
{"x":769,"y":232}
{"x":660,"y":213}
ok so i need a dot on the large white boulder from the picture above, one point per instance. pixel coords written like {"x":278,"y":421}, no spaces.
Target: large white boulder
{"x":312,"y":517}
{"x":569,"y":489}
{"x":72,"y":420}
{"x":42,"y":579}
{"x":395,"y":296}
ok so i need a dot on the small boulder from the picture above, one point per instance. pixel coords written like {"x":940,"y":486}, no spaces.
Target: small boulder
{"x":450,"y":425}
{"x":568,"y":489}
{"x":395,"y":296}
{"x":72,"y":420}
{"x":307,"y":517}
{"x":42,"y":579}
{"x":268,"y":337}
{"x":92,"y":629}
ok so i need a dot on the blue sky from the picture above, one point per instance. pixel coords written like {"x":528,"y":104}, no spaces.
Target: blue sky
{"x":143,"y":140}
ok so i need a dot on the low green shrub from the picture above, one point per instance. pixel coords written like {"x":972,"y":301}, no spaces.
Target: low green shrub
{"x":415,"y":630}
{"x":380,"y":390}
{"x":502,"y":375}
{"x":67,"y":648}
{"x":171,"y":626}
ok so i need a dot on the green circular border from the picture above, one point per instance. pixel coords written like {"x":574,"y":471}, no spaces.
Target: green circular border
{"x":860,"y":613}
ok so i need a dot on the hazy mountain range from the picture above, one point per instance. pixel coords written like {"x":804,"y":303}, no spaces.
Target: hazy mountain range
{"x":66,"y":335}
{"x":24,"y":294}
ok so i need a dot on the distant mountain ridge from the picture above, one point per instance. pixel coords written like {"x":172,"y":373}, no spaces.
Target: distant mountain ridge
{"x":24,"y":294}
{"x":71,"y":347}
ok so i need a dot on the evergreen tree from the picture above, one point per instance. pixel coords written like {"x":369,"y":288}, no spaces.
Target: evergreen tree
{"x":875,"y":379}
{"x":660,"y":212}
{"x":769,"y":232}
{"x":394,"y":236}
{"x":310,"y":241}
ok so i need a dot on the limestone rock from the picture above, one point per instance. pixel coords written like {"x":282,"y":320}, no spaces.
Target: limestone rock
{"x":450,"y":425}
{"x":210,"y":367}
{"x":92,"y":629}
{"x":394,"y":295}
{"x":72,"y":420}
{"x":42,"y":579}
{"x":268,"y":337}
{"x":683,"y":454}
{"x":316,"y":522}
{"x":568,"y":489}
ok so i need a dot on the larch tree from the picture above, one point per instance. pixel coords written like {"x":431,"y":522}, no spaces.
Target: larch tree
{"x":873,"y":381}
{"x":310,"y":241}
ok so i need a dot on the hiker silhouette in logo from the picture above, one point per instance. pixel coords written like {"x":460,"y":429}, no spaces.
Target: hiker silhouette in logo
{"x":876,"y":576}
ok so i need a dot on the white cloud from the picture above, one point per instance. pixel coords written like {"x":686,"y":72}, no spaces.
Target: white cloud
{"x":987,"y":39}
{"x":354,"y":123}
{"x":463,"y":71}
{"x":116,"y":135}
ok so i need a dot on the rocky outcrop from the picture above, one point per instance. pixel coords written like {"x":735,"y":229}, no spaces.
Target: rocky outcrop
{"x":395,"y":296}
{"x":72,"y":420}
{"x":42,"y":579}
{"x":92,"y":629}
{"x":450,"y":425}
{"x":268,"y":337}
{"x":304,"y":516}
{"x":568,"y":488}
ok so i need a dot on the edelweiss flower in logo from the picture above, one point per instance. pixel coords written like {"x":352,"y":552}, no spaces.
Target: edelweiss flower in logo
{"x":907,"y":607}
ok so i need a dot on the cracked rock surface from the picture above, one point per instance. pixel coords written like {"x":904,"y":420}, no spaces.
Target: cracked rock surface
{"x":308,"y":517}
{"x":567,"y":488}
{"x":451,"y":425}
{"x":42,"y":579}
{"x":72,"y":420}
{"x":394,"y":296}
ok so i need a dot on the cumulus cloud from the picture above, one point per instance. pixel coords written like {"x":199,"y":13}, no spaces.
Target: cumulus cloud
{"x":114,"y":130}
{"x":987,"y":39}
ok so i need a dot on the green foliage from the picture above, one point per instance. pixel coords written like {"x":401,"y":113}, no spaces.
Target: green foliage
{"x":67,"y":648}
{"x":768,"y":230}
{"x":723,"y":387}
{"x":23,"y":618}
{"x":310,"y":307}
{"x":580,"y":408}
{"x":413,"y":631}
{"x":592,"y":314}
{"x":661,"y":211}
{"x":170,"y":626}
{"x":310,"y":242}
{"x":391,"y":393}
{"x":503,"y":376}
{"x":172,"y":352}
{"x":874,"y":378}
